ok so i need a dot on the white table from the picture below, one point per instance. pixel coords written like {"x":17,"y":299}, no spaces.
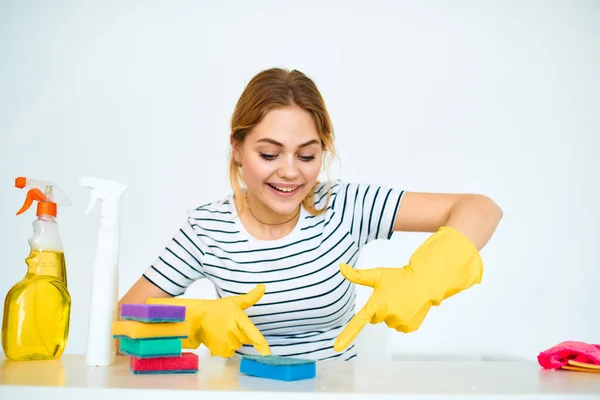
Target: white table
{"x":69,"y":378}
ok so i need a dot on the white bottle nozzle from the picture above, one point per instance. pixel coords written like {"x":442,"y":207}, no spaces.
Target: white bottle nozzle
{"x":109,"y":192}
{"x":101,"y":348}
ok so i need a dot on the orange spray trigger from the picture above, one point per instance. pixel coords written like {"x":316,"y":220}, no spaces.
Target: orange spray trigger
{"x":47,"y":194}
{"x":32,"y":194}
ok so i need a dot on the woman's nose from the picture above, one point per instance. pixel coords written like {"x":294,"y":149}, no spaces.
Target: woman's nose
{"x":288,"y":169}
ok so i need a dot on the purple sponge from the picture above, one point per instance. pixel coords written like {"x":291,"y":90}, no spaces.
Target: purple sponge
{"x":153,"y":313}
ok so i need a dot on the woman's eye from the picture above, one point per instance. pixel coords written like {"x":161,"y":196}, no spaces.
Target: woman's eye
{"x":271,"y":157}
{"x":268,"y":157}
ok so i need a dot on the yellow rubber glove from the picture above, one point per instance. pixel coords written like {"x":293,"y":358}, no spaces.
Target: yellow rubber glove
{"x":222,"y":325}
{"x":445,"y":264}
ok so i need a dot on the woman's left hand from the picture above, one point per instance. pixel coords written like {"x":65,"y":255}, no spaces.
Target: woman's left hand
{"x":445,"y":264}
{"x":397,"y":299}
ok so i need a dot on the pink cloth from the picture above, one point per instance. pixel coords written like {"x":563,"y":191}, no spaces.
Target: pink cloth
{"x":559,"y":355}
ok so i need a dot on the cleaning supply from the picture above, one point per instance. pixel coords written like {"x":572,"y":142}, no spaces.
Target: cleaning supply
{"x":444,"y":265}
{"x":221,"y":324}
{"x":150,"y":348}
{"x":152,"y":313}
{"x":101,"y":348}
{"x":160,"y":346}
{"x":37,"y":309}
{"x":154,"y":345}
{"x":141,"y":330}
{"x":581,"y":367}
{"x":278,"y":368}
{"x":573,"y":353}
{"x":187,"y":363}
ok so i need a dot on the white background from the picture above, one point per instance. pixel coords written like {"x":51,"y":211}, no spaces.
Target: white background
{"x":500,"y":98}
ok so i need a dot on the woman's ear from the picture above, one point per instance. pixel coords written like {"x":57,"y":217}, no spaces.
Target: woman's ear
{"x":236,"y":151}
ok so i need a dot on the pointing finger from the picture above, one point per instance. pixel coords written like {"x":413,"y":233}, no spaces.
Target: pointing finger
{"x":356,"y":324}
{"x":256,"y":337}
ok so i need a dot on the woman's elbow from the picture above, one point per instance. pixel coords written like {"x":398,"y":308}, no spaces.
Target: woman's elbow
{"x":494,"y":211}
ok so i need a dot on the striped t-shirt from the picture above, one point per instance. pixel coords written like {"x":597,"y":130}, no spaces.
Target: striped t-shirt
{"x":307,"y":301}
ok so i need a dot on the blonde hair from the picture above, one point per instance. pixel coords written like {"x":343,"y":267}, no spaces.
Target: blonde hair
{"x":270,"y":89}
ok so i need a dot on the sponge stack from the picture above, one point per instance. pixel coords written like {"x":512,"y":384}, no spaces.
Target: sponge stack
{"x":151,"y":334}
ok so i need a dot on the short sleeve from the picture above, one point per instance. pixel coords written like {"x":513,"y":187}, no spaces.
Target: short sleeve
{"x":179,"y":264}
{"x":367,"y":210}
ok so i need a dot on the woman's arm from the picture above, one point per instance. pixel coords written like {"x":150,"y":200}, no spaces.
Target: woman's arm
{"x":474,"y":215}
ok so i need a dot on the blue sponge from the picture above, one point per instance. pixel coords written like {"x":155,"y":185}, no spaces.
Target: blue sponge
{"x":277,"y":367}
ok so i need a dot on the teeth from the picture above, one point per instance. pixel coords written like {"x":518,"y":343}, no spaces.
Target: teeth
{"x":287,"y":190}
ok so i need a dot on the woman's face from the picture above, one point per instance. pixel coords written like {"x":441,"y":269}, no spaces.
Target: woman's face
{"x":281,"y":160}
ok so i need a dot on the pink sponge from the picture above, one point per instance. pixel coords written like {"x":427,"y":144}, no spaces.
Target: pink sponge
{"x":186,"y":363}
{"x":557,"y":356}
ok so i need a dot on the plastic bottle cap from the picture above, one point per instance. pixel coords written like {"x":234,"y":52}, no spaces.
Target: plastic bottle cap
{"x":46,"y":208}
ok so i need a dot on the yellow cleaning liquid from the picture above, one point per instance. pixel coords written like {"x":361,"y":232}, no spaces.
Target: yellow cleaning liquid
{"x":37,"y":310}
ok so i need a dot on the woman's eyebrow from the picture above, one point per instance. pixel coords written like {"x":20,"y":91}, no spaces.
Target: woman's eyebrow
{"x":276,"y":143}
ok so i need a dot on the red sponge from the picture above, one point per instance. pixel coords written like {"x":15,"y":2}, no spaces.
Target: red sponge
{"x":186,"y":363}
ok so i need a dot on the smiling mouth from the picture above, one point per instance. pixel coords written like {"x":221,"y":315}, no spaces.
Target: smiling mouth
{"x":283,"y":189}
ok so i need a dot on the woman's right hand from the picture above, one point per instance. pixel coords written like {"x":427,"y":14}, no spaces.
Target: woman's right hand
{"x":222,"y":325}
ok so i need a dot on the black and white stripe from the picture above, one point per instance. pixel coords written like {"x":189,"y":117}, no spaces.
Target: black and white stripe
{"x":307,"y":301}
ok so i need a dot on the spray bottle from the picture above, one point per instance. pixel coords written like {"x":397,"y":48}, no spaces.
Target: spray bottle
{"x":101,"y":347}
{"x":37,"y":310}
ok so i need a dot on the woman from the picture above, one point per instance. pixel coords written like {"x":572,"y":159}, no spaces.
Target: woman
{"x":281,"y":250}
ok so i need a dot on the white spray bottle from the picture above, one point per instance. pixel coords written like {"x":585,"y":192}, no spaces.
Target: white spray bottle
{"x":101,"y":347}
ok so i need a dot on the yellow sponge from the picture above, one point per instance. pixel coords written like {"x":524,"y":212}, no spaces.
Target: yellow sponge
{"x":141,"y":330}
{"x":580,"y":366}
